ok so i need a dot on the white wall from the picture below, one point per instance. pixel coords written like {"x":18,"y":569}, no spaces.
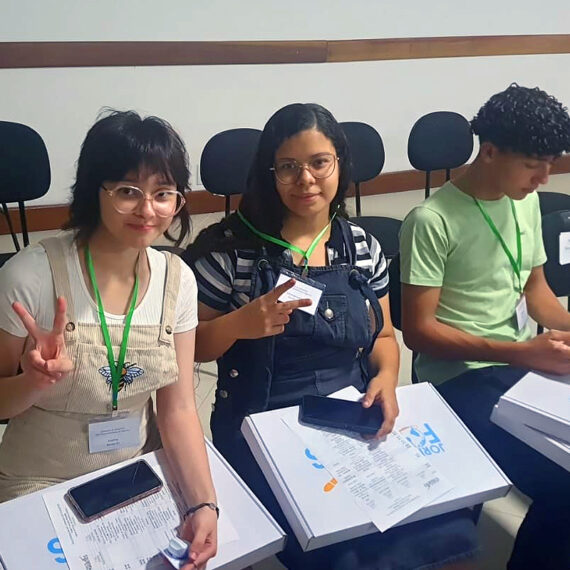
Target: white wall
{"x":93,"y":20}
{"x":61,"y":104}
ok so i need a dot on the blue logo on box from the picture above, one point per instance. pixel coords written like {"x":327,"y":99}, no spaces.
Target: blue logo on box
{"x":423,"y":439}
{"x":330,"y":485}
{"x":55,"y":548}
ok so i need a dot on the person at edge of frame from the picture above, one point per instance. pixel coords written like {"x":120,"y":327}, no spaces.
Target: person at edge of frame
{"x":68,"y":303}
{"x":471,"y":272}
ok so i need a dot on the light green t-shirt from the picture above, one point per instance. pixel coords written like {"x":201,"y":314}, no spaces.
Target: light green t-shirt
{"x":445,"y":242}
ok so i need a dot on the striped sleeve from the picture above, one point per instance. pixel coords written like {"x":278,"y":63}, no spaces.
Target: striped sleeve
{"x":369,"y":256}
{"x":215,"y":273}
{"x":379,"y":281}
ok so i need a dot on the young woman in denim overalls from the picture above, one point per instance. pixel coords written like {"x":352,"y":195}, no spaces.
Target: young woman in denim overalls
{"x":292,"y":219}
{"x":101,"y":322}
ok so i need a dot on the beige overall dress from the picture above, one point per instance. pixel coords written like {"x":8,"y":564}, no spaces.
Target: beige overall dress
{"x":49,"y":443}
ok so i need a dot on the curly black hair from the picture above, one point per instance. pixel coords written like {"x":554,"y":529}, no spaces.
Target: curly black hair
{"x":524,"y":120}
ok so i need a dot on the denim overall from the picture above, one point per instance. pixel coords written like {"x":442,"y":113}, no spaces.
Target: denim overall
{"x":317,"y":354}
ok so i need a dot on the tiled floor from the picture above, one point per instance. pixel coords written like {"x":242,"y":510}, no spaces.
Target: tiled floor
{"x":501,"y":518}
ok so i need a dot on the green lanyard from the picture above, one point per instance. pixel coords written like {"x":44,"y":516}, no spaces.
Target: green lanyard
{"x":517,"y":266}
{"x":116,"y":370}
{"x":305,"y":253}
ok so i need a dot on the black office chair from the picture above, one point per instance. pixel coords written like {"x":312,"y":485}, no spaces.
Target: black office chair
{"x":557,"y":276}
{"x":24,"y":174}
{"x":225,"y":162}
{"x":553,"y":202}
{"x":367,"y":150}
{"x":439,"y":141}
{"x":395,"y":290}
{"x":368,"y":156}
{"x":385,"y":230}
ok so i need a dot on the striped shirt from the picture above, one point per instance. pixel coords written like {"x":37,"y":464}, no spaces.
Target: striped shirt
{"x":224,"y":279}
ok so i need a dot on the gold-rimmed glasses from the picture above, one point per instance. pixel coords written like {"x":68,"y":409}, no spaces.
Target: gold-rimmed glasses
{"x":288,"y":170}
{"x":127,"y":199}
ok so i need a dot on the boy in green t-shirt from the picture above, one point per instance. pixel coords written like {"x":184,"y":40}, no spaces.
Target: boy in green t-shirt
{"x":471,"y":271}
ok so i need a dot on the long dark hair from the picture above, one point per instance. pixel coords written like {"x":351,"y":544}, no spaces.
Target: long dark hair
{"x":261,"y":203}
{"x":116,"y":144}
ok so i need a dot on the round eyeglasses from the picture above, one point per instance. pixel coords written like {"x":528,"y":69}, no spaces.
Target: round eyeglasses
{"x":127,"y":199}
{"x":288,"y":170}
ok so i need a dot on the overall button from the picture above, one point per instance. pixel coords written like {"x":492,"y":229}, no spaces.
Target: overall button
{"x":223,"y":394}
{"x":328,"y":314}
{"x":168,"y":329}
{"x":233,"y":373}
{"x":70,"y":327}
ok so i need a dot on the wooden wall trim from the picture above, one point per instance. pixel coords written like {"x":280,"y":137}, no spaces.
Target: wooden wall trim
{"x":42,"y":218}
{"x":461,"y":46}
{"x":112,"y":54}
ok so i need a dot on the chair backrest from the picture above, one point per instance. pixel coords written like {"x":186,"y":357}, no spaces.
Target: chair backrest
{"x":385,"y":230}
{"x":226,"y":160}
{"x":553,"y":202}
{"x":24,"y":170}
{"x":439,"y":141}
{"x":557,"y":275}
{"x":395,"y":291}
{"x":367,"y":151}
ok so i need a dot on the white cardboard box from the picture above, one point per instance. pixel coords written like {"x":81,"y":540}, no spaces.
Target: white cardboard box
{"x":555,"y":449}
{"x":541,"y":402}
{"x":28,"y":539}
{"x":321,"y":513}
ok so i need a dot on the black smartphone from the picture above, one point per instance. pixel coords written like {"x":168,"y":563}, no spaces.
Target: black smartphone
{"x":114,"y":490}
{"x":342,"y":414}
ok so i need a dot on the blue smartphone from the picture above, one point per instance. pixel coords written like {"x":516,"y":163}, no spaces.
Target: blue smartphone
{"x":342,"y":414}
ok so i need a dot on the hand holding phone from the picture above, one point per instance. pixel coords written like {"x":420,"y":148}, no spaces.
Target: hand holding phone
{"x":113,"y":490}
{"x":342,"y":414}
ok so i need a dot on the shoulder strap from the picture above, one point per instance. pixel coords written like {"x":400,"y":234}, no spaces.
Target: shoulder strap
{"x":171,"y":289}
{"x":58,"y":265}
{"x":348,"y":239}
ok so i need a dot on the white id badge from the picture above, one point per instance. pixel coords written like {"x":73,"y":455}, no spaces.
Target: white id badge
{"x":521,"y":312}
{"x":110,"y":434}
{"x":304,"y":288}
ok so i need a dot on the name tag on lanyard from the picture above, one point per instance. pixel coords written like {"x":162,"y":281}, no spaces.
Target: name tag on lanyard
{"x":110,"y":434}
{"x":521,"y":312}
{"x":304,"y":288}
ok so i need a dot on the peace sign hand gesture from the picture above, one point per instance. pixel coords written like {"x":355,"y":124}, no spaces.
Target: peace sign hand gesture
{"x":266,"y":315}
{"x":47,"y":362}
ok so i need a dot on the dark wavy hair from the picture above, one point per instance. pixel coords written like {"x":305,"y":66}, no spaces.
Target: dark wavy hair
{"x":524,"y":120}
{"x":120,"y":142}
{"x":261,"y":203}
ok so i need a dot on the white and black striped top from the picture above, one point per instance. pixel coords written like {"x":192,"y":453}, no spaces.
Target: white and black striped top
{"x":224,"y":279}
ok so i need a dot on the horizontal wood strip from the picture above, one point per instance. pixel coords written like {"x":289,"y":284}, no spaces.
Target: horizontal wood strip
{"x":461,"y":46}
{"x":42,"y":218}
{"x":112,"y":54}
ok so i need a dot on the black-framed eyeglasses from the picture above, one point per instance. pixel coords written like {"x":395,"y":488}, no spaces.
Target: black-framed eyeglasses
{"x":288,"y":170}
{"x":127,"y":199}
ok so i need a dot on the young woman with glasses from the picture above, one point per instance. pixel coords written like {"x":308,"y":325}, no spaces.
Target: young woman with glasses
{"x":292,"y":222}
{"x":100,"y":321}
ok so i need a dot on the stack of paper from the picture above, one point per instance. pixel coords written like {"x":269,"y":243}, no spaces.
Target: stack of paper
{"x":536,"y":410}
{"x":334,"y":486}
